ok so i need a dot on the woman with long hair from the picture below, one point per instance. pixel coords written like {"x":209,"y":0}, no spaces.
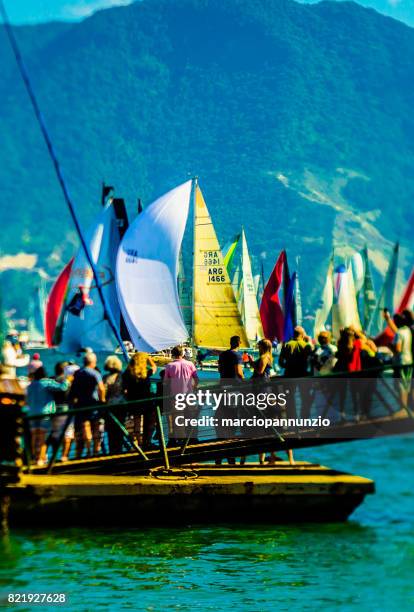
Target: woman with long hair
{"x":263,"y":365}
{"x":114,"y":394}
{"x":349,"y":351}
{"x":137,"y":387}
{"x":262,"y":368}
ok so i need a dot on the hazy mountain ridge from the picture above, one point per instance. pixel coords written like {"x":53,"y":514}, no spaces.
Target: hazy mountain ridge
{"x":237,"y":93}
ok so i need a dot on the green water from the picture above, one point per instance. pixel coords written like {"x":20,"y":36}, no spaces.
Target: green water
{"x":365,"y":564}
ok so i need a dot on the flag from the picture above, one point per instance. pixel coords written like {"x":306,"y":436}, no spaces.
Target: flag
{"x":290,"y":310}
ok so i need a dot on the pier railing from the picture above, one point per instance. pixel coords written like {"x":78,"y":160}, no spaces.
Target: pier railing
{"x":373,"y":402}
{"x":11,"y":430}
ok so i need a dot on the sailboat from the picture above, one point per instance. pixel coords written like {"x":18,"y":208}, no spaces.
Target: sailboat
{"x":229,"y":251}
{"x":273,"y":307}
{"x":236,"y":283}
{"x":184,"y":293}
{"x":85,"y":323}
{"x":244,"y":287}
{"x":344,"y":308}
{"x":407,"y":298}
{"x":216,"y":315}
{"x":249,"y":307}
{"x":406,"y":303}
{"x":147,"y":270}
{"x":369,"y":299}
{"x":259,"y":283}
{"x":298,"y":297}
{"x":36,"y":318}
{"x":326,"y":302}
{"x":55,"y":306}
{"x":386,"y":297}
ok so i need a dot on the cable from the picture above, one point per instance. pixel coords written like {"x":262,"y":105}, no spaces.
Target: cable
{"x":42,"y":124}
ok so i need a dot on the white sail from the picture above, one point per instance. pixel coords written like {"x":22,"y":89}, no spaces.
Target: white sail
{"x":345,"y":309}
{"x":37,"y":305}
{"x":250,"y":309}
{"x":147,"y":270}
{"x":298,"y":301}
{"x":358,"y":271}
{"x":90,"y":327}
{"x":237,"y":283}
{"x":326,"y":302}
{"x":185,"y":295}
{"x":386,"y":296}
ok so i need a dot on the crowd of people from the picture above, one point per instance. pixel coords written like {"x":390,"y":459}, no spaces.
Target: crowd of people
{"x":131,"y":395}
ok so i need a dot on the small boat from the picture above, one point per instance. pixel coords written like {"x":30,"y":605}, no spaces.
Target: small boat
{"x":246,"y":294}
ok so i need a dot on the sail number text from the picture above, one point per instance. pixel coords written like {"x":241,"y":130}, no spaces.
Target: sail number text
{"x":212,"y":260}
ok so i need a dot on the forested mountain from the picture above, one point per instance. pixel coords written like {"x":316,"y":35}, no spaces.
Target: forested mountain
{"x":297,"y":119}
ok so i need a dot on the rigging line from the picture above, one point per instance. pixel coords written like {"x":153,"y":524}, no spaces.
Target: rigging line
{"x":42,"y":124}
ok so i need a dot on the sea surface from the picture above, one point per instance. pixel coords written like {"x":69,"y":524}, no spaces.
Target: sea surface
{"x":364,"y":564}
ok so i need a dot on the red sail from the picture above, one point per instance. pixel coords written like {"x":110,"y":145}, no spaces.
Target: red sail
{"x":271,"y":311}
{"x":55,"y":302}
{"x":387,"y":336}
{"x":408,"y":294}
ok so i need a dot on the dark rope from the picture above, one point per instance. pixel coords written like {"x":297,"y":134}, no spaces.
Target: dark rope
{"x":42,"y":124}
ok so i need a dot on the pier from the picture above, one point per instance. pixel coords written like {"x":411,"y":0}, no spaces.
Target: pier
{"x":184,"y":482}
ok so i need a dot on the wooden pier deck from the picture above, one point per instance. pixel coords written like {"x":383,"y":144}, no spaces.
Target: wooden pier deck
{"x":205,"y":493}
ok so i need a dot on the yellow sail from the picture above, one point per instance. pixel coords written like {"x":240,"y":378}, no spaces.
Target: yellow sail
{"x":216,"y":316}
{"x":250,"y":309}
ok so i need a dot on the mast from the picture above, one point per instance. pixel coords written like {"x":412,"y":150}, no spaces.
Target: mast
{"x":193,"y":200}
{"x":298,"y":296}
{"x":106,"y":190}
{"x":41,"y":122}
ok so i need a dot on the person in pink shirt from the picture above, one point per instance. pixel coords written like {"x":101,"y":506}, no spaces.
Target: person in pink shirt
{"x":180,"y":377}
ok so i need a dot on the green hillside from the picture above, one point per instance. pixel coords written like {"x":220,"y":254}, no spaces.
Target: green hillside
{"x":297,"y":119}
